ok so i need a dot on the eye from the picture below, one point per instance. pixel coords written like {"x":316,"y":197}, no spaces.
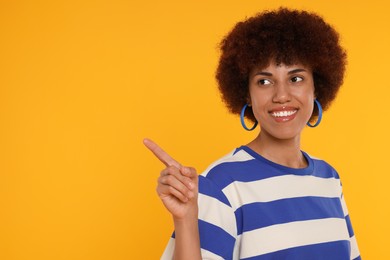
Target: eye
{"x":263,"y":82}
{"x":296,"y":79}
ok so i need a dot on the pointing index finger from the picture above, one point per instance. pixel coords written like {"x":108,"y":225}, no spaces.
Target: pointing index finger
{"x":161,"y":154}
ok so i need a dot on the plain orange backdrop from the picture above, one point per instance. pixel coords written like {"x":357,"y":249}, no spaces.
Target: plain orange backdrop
{"x":83,"y":82}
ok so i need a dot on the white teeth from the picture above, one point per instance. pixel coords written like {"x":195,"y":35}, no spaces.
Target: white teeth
{"x":283,"y":113}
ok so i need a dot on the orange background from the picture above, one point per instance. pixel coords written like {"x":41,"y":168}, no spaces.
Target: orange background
{"x":83,"y":82}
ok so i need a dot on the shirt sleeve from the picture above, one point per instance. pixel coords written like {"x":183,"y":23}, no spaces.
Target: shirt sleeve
{"x":217,"y":224}
{"x":355,"y":254}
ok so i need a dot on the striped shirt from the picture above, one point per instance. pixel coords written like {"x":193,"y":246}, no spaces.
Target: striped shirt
{"x":252,"y":208}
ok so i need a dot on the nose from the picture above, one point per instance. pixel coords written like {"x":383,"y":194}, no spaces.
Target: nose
{"x":281,"y":94}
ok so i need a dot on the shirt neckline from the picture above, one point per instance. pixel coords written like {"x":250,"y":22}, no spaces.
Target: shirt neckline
{"x":298,"y":171}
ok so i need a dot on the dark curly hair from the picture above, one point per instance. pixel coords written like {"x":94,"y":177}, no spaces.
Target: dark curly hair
{"x":288,"y":36}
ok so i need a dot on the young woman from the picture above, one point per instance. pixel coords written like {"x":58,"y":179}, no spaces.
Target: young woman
{"x":266,"y":199}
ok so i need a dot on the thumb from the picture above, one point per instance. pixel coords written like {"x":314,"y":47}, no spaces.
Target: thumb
{"x":188,"y":172}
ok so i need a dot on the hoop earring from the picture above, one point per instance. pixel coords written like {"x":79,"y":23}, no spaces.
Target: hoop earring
{"x":319,"y":114}
{"x":242,"y":115}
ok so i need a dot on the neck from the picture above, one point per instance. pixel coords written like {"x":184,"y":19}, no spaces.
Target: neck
{"x":285,"y":152}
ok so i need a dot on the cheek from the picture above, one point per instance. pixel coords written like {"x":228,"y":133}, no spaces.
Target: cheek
{"x":310,"y":109}
{"x":258,"y":97}
{"x":309,"y":104}
{"x":259,"y":108}
{"x":305,"y":95}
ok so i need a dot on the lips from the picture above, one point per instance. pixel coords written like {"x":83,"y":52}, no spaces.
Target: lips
{"x":283,"y":114}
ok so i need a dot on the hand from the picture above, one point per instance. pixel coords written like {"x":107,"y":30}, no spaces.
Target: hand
{"x":177,"y":185}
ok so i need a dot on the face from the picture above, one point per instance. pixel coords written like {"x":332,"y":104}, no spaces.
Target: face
{"x":282,"y":99}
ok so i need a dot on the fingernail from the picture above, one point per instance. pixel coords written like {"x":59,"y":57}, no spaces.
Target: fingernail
{"x":191,"y":185}
{"x":185,"y":170}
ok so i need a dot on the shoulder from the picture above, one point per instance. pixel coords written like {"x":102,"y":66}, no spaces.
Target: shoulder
{"x":234,"y":158}
{"x":237,"y":155}
{"x":323,"y":168}
{"x":235,"y":166}
{"x":221,"y":173}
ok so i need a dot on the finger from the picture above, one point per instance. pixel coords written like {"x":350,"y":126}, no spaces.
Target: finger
{"x":176,"y":173}
{"x":172,"y":178}
{"x":161,"y":154}
{"x":188,"y":171}
{"x":175,"y":185}
{"x":165,"y":190}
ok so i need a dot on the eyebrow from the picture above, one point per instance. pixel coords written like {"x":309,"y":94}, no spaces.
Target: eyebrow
{"x":295,"y":71}
{"x":263,"y":73}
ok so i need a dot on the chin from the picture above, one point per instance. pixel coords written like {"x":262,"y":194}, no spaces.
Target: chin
{"x":286,"y":136}
{"x":283,"y":133}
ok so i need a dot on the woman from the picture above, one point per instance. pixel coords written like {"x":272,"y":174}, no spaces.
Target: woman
{"x":266,"y":199}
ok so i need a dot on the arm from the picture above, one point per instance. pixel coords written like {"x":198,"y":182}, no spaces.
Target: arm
{"x":355,"y":254}
{"x":185,"y":219}
{"x":178,"y":190}
{"x":187,"y":239}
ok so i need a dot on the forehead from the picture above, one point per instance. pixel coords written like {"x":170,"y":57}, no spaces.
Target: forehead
{"x":274,"y":66}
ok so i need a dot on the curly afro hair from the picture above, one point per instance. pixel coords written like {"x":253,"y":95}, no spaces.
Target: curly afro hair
{"x":287,"y":36}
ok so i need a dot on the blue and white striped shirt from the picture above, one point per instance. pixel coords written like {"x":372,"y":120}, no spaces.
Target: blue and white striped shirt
{"x":252,"y":208}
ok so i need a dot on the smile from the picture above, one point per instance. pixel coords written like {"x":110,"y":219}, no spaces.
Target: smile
{"x":283,"y":113}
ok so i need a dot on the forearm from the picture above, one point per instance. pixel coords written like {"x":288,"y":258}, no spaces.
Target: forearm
{"x":187,"y":243}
